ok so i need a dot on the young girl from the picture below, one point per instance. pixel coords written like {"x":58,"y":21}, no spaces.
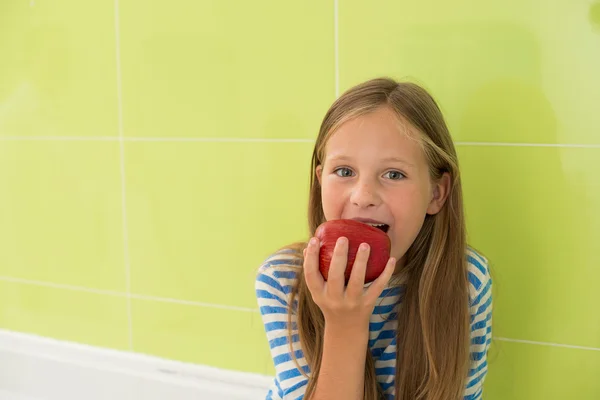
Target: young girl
{"x":423,"y":328}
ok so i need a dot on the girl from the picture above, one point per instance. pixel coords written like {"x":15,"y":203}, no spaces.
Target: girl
{"x":423,"y":328}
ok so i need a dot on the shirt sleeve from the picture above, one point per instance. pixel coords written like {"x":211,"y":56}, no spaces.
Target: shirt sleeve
{"x":480,"y":284}
{"x":273,"y":287}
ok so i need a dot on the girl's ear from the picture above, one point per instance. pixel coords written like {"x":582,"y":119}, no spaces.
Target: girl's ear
{"x":440,"y":192}
{"x":319,"y":172}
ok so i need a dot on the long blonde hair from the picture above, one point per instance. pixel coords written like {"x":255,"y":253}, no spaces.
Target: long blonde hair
{"x":433,"y":320}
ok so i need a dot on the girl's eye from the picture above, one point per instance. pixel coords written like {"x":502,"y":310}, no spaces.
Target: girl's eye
{"x":395,"y":175}
{"x":343,"y":172}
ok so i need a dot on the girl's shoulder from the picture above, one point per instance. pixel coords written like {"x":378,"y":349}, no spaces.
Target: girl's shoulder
{"x":480,"y":279}
{"x":277,"y":276}
{"x":284,"y":264}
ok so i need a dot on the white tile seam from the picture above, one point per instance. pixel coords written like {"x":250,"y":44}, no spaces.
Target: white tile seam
{"x":125,"y":231}
{"x":236,"y":308}
{"x":336,"y":48}
{"x":129,"y":295}
{"x":548,"y":344}
{"x":509,"y":144}
{"x":53,"y":285}
{"x":268,"y":140}
{"x":59,"y":138}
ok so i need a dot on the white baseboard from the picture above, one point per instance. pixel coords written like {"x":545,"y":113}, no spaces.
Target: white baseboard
{"x":39,"y":368}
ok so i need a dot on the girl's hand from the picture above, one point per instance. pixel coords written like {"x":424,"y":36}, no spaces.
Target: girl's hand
{"x":350,"y":305}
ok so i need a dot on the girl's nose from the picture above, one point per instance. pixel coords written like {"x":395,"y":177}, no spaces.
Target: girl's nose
{"x":364,"y":196}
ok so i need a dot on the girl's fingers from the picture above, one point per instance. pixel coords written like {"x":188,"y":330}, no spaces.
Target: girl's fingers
{"x":376,"y":288}
{"x":357,"y":276}
{"x":312,"y":275}
{"x":335,"y":277}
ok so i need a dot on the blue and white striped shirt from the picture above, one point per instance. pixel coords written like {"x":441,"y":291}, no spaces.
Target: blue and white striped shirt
{"x":274,"y":283}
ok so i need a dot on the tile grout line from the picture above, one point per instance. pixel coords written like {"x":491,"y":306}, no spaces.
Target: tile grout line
{"x":219,"y":139}
{"x":336,"y":50}
{"x":268,"y":140}
{"x":124,"y":294}
{"x":509,"y":144}
{"x":547,"y":344}
{"x":125,"y":230}
{"x":192,"y":303}
{"x":233,"y":308}
{"x":59,"y":138}
{"x":61,"y":286}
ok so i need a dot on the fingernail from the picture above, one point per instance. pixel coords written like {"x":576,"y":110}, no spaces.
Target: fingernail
{"x":313,"y":242}
{"x":392,"y":260}
{"x":341,"y":240}
{"x":364,"y":246}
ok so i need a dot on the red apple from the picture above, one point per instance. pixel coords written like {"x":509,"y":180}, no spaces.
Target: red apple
{"x":356,"y":233}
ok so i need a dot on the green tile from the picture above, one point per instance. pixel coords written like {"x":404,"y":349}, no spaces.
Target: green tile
{"x":203,"y":216}
{"x":60,"y":213}
{"x":77,"y":316}
{"x":502,"y":72}
{"x":534,"y":212}
{"x":58,"y":70}
{"x":226,"y":69}
{"x":532,"y":372}
{"x":216,"y":337}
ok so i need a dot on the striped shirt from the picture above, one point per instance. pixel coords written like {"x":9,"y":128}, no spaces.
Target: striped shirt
{"x":274,"y":282}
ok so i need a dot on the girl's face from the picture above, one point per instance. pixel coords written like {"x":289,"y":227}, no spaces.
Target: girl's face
{"x":374,"y":169}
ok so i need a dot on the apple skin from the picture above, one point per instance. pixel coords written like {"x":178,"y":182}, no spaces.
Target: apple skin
{"x":356,"y":233}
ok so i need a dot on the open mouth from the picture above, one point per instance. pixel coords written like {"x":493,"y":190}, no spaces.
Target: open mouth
{"x":383,"y":227}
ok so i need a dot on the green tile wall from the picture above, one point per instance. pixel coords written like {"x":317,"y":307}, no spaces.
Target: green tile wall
{"x":152,"y":154}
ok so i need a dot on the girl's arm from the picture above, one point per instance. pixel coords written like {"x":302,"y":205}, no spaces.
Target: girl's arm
{"x":481,"y":324}
{"x":343,"y":365}
{"x":347,"y":311}
{"x":273,"y":282}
